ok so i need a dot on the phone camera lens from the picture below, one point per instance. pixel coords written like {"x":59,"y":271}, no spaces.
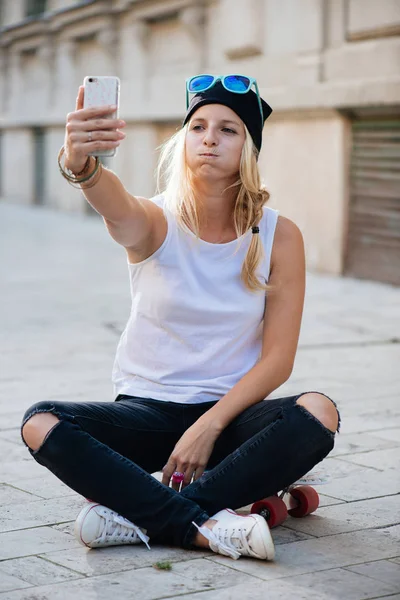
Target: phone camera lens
{"x":90,"y":79}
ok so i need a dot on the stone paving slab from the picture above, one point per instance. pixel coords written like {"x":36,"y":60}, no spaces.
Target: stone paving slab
{"x":12,"y":436}
{"x":46,"y":486}
{"x":320,"y":554}
{"x":380,"y":459}
{"x":366,"y":514}
{"x":109,"y":560}
{"x":40,"y":512}
{"x":347,"y":444}
{"x":28,"y":542}
{"x":389,"y":434}
{"x":12,"y":495}
{"x":202,"y":572}
{"x":383,"y":570}
{"x":10,"y":418}
{"x":146,"y":583}
{"x":11,"y":471}
{"x":331,"y":584}
{"x":328,"y":500}
{"x":392,"y":532}
{"x":35,"y":570}
{"x":284,"y":535}
{"x":8,"y":583}
{"x":13,"y":452}
{"x":362,"y":484}
{"x":374,"y":422}
{"x":336,"y":469}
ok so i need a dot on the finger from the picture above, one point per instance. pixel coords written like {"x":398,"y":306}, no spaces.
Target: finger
{"x":103,"y":124}
{"x":99,"y":145}
{"x":174,"y":484}
{"x":188,"y":478}
{"x":198,"y":473}
{"x":79,"y":100}
{"x":180,"y":468}
{"x":83,"y":137}
{"x":167,"y":474}
{"x":95,"y":111}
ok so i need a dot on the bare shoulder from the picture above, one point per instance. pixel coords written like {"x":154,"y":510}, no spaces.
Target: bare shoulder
{"x":288,"y":242}
{"x":287,"y":231}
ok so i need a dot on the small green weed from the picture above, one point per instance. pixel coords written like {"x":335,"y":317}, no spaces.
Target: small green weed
{"x":163,"y":566}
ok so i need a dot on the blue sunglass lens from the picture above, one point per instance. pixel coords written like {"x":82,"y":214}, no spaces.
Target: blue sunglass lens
{"x":237,"y":83}
{"x":198,"y":84}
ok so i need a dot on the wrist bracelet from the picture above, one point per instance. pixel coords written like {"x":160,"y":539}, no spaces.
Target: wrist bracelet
{"x":90,"y":182}
{"x":85,"y":168}
{"x":72,"y":178}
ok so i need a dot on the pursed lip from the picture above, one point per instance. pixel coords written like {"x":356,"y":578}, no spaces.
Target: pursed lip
{"x":208,"y":154}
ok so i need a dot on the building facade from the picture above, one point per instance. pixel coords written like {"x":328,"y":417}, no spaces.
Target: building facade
{"x":329,"y":68}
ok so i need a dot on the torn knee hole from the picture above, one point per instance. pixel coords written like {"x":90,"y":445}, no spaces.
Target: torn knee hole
{"x":37,"y":428}
{"x":322,"y":408}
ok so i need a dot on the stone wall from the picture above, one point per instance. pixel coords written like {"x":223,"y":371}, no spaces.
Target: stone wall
{"x":315,"y":61}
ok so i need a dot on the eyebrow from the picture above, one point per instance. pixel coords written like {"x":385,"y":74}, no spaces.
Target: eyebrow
{"x":221,"y":121}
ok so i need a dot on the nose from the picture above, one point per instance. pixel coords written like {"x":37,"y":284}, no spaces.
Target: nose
{"x":210,"y":137}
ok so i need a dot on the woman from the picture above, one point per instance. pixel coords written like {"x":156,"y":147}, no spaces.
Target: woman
{"x":217,"y":281}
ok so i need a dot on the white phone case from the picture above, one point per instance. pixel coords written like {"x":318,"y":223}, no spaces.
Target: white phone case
{"x":99,"y":91}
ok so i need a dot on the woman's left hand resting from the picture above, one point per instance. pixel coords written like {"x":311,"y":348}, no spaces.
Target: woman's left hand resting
{"x":191,"y":454}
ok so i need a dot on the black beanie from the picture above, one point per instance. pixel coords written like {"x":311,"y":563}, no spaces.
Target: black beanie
{"x":244,"y":105}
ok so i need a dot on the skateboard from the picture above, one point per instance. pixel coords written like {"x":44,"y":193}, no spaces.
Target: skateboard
{"x":297,"y":500}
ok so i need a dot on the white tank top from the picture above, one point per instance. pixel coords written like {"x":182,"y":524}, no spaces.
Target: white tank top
{"x":194,"y":328}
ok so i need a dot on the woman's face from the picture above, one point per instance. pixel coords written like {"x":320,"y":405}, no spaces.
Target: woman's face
{"x":214,"y":142}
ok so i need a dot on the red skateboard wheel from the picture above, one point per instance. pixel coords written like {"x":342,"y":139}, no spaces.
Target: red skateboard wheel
{"x":307,"y":498}
{"x":273,"y":509}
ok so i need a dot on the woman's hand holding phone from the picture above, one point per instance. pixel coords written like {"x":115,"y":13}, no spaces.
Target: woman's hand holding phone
{"x":88,"y":131}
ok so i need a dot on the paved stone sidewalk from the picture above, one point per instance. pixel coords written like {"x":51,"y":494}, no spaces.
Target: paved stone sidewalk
{"x":64,"y":298}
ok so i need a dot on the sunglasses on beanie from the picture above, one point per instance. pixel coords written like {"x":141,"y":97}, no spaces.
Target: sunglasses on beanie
{"x":238,"y":84}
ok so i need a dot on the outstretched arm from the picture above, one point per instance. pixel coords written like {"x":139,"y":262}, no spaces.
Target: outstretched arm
{"x":134,"y":222}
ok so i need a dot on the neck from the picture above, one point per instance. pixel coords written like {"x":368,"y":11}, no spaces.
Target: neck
{"x":216,"y":204}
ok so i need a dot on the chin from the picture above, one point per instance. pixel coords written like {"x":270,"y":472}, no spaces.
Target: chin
{"x":210,"y":172}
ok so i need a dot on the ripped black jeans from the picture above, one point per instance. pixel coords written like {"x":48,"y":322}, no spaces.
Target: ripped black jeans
{"x":106,"y":451}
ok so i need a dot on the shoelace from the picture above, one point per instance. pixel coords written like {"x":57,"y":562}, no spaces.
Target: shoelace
{"x":119,"y":527}
{"x":223,"y":541}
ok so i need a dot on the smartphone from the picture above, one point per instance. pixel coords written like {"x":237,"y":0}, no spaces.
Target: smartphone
{"x":99,"y":91}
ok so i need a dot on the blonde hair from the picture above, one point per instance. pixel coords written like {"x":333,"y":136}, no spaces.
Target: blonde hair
{"x":180,"y":198}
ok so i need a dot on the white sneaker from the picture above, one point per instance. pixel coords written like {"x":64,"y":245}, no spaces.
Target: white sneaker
{"x":97,"y":526}
{"x":237,"y":535}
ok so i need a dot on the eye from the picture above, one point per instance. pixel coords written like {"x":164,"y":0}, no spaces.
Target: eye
{"x":196,"y":127}
{"x":228,"y":130}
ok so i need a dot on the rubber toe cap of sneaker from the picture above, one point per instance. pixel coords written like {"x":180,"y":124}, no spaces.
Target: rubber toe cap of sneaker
{"x":87,"y":525}
{"x":261,"y":540}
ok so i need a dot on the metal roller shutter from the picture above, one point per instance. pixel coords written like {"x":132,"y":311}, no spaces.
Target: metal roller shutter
{"x":373,"y":247}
